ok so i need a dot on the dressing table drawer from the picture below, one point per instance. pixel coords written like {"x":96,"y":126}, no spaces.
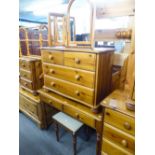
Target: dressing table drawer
{"x":82,"y":94}
{"x":86,"y":61}
{"x":27,"y":65}
{"x":119,"y":120}
{"x":54,"y":57}
{"x":81,"y":77}
{"x":26,"y":83}
{"x":80,"y":116}
{"x":119,"y":137}
{"x":110,"y":148}
{"x":26,"y":74}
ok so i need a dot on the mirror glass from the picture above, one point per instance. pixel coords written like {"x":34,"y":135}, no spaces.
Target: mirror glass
{"x":80,"y":21}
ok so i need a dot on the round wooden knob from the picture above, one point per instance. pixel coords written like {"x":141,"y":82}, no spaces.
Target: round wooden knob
{"x":77,"y":115}
{"x":77,"y":60}
{"x":118,"y":34}
{"x":107,"y":113}
{"x":23,"y":65}
{"x":51,"y":57}
{"x":127,"y":125}
{"x":25,"y":84}
{"x":77,"y":93}
{"x":53,"y":84}
{"x":77,"y":77}
{"x":52,"y":71}
{"x":124,"y":143}
{"x":123,"y":34}
{"x":24,"y":75}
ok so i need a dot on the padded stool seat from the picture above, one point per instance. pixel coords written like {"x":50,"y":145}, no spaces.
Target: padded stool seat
{"x":69,"y":123}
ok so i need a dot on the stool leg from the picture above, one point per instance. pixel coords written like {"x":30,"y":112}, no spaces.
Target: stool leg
{"x":57,"y":131}
{"x":74,"y":144}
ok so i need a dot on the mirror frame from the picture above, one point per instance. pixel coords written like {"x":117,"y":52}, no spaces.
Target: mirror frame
{"x":88,"y":44}
{"x":55,"y":41}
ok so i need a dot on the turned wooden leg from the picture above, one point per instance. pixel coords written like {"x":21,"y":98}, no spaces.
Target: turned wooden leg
{"x":57,"y":131}
{"x":74,"y":144}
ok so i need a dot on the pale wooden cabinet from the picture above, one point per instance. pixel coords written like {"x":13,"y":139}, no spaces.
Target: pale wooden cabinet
{"x":82,"y":75}
{"x":118,"y":133}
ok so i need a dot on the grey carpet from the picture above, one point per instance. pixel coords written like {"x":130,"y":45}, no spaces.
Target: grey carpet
{"x":35,"y":141}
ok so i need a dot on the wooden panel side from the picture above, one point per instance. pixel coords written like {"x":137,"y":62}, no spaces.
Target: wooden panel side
{"x":103,"y":76}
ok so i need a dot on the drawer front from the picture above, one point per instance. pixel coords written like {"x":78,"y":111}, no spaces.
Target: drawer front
{"x":83,"y":94}
{"x":119,"y":120}
{"x":119,"y":137}
{"x":52,"y":57}
{"x":81,"y":77}
{"x":80,"y":116}
{"x":27,"y":65}
{"x":26,"y":83}
{"x":52,"y":102}
{"x":26,"y":74}
{"x":28,"y":105}
{"x":110,"y":148}
{"x":80,"y":60}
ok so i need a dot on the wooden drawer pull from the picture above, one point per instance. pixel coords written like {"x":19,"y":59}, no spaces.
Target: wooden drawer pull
{"x":25,"y":84}
{"x":51,"y":57}
{"x":107,"y":113}
{"x":53,"y":84}
{"x":23,"y":65}
{"x":24,"y":75}
{"x":52,"y":71}
{"x":127,"y":125}
{"x":124,"y":143}
{"x":77,"y":60}
{"x":77,"y":93}
{"x":77,"y":77}
{"x":50,"y":102}
{"x":77,"y":115}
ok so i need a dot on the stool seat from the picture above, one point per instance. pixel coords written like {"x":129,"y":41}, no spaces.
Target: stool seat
{"x":70,"y":123}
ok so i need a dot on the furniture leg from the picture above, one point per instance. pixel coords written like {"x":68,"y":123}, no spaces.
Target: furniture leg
{"x":74,"y":144}
{"x":57,"y":131}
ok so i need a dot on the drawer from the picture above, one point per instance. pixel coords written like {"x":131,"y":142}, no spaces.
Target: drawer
{"x":80,"y":116}
{"x":80,"y":60}
{"x":119,"y":120}
{"x":82,"y":94}
{"x":119,"y":137}
{"x":26,"y":83}
{"x":28,"y":105}
{"x":110,"y":148}
{"x":54,"y":57}
{"x":26,"y":74}
{"x":85,"y":78}
{"x":27,"y":65}
{"x":55,"y":103}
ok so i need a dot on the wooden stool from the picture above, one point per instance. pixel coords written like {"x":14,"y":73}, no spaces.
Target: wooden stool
{"x":69,"y":123}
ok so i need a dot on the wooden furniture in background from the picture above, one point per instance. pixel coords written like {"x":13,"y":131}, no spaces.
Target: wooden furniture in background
{"x":82,"y":75}
{"x":69,"y":123}
{"x":30,"y":105}
{"x":31,"y":78}
{"x":31,"y":39}
{"x":119,"y":125}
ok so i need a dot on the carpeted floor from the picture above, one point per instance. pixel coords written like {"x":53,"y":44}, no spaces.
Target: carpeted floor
{"x":34,"y":141}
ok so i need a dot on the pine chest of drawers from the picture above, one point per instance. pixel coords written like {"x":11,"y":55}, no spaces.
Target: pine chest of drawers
{"x":30,"y":73}
{"x":118,"y":127}
{"x":82,"y":75}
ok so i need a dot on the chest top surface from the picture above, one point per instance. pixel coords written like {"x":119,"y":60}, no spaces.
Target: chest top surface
{"x":119,"y":99}
{"x":87,"y":50}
